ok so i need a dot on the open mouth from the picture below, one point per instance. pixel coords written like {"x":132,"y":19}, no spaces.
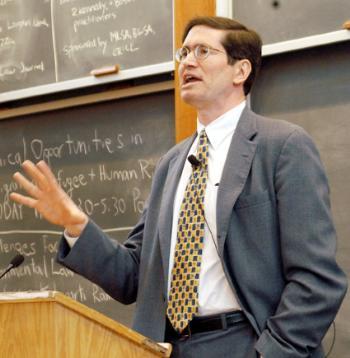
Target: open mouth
{"x":190,"y":79}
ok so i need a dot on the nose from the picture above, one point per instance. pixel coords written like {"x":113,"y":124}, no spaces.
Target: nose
{"x":190,"y":59}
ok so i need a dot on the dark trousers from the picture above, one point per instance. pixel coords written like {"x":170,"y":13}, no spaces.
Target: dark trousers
{"x":236,"y":341}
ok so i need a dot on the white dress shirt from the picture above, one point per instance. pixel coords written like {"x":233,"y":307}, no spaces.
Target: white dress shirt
{"x":214,"y":294}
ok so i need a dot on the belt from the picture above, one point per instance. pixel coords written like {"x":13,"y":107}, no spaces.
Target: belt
{"x":207,"y":323}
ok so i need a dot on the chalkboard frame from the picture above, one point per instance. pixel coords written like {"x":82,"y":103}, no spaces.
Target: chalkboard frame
{"x":306,"y":42}
{"x":87,"y":82}
{"x":88,"y":99}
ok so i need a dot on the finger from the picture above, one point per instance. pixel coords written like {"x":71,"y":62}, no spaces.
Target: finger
{"x":46,"y":171}
{"x":31,"y":169}
{"x":25,"y":200}
{"x":29,"y":187}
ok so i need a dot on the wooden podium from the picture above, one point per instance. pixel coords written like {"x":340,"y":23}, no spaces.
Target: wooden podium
{"x":50,"y":324}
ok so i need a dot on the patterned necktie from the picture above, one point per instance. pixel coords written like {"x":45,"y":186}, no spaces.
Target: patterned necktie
{"x":183,"y":295}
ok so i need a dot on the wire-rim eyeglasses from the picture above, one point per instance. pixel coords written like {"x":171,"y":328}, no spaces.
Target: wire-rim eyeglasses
{"x":201,"y":52}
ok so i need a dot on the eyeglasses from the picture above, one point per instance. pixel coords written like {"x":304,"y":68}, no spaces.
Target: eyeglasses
{"x":201,"y":52}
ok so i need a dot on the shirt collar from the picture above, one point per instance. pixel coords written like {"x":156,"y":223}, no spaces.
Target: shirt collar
{"x":221,"y":127}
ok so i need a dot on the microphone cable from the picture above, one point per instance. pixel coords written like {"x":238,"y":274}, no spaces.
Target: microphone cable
{"x":333,"y":341}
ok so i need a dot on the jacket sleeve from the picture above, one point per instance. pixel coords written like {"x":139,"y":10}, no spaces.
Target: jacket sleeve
{"x":112,"y":266}
{"x":315,"y":285}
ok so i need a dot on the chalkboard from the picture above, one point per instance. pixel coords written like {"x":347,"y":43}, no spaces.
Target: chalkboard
{"x":282,"y":20}
{"x":104,"y":156}
{"x":46,"y":42}
{"x":311,"y":88}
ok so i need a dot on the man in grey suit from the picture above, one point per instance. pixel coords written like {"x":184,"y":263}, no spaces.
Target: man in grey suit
{"x":269,"y":284}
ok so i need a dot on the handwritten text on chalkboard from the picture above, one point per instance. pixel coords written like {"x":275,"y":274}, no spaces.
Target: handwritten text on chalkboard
{"x":47,"y":41}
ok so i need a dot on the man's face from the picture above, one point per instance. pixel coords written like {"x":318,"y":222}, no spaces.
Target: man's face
{"x":208,"y":82}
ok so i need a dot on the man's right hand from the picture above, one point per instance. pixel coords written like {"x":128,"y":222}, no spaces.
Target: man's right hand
{"x":48,"y":198}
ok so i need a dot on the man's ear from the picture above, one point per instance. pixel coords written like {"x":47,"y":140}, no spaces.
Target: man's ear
{"x":243,"y":68}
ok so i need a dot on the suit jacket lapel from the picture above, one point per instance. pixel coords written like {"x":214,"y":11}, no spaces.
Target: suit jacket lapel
{"x":235,"y":172}
{"x":167,"y":204}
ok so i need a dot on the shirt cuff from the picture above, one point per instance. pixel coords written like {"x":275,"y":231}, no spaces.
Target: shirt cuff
{"x":71,"y":240}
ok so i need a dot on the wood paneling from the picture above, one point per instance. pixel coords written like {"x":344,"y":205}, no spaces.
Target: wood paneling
{"x":185,"y":115}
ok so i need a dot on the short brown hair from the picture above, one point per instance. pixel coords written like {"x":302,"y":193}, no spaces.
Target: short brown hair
{"x":239,"y":42}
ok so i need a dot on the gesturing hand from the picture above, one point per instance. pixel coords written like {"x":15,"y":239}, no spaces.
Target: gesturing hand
{"x":48,"y":198}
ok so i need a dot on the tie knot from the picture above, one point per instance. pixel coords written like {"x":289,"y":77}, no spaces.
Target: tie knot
{"x":202,"y":150}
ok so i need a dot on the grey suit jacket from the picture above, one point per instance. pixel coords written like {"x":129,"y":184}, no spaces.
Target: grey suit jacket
{"x":275,"y":235}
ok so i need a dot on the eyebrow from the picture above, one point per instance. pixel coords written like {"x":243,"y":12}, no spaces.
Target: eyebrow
{"x":198,"y":44}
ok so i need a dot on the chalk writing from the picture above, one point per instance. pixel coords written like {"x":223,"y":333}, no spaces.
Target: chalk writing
{"x":64,"y":2}
{"x":111,"y":205}
{"x":131,"y":33}
{"x":69,"y":183}
{"x":99,"y":295}
{"x":54,"y":41}
{"x":97,"y":7}
{"x":42,"y":152}
{"x":21,"y":69}
{"x":7,"y":42}
{"x":21,"y":24}
{"x":79,"y":294}
{"x":6,"y":72}
{"x":37,"y":148}
{"x":92,"y":19}
{"x":7,"y":188}
{"x":11,"y":211}
{"x":25,"y":68}
{"x":93,"y":43}
{"x":138,"y":203}
{"x":49,"y":246}
{"x":30,"y":268}
{"x":5,"y":2}
{"x":24,"y":248}
{"x":118,"y":3}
